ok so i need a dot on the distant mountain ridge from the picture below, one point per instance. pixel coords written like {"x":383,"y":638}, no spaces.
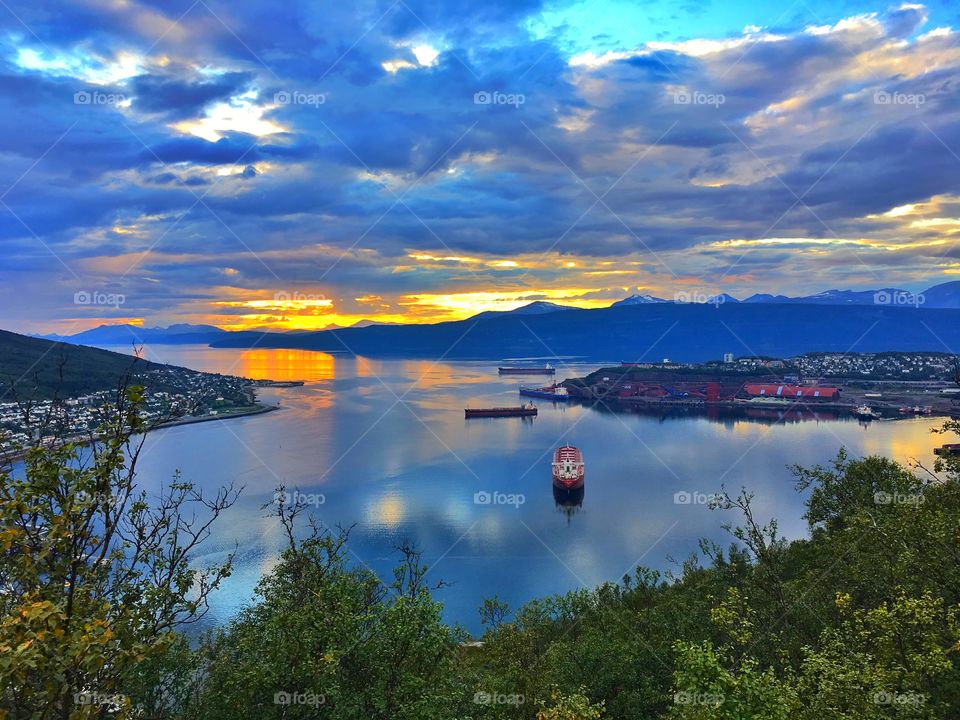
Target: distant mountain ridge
{"x":180,"y":334}
{"x":823,"y":305}
{"x":537,"y":307}
{"x":944,"y":296}
{"x":883,"y":296}
{"x":685,"y":332}
{"x":638,"y":300}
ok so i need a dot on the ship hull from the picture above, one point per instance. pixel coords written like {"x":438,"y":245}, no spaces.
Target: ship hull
{"x":500,"y":412}
{"x":568,"y":497}
{"x":527,"y":370}
{"x":545,"y":394}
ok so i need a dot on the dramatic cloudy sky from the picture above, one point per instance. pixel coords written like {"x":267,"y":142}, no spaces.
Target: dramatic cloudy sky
{"x":297,"y":164}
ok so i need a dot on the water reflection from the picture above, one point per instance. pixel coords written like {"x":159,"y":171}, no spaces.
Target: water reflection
{"x":259,"y":364}
{"x":387,"y":445}
{"x":568,"y":500}
{"x":730,"y":415}
{"x":286,"y":365}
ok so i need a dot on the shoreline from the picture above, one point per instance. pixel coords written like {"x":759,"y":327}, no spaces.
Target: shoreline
{"x":258,"y":409}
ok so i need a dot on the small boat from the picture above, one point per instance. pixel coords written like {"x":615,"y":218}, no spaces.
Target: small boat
{"x":527,"y":410}
{"x":865,"y":412}
{"x":916,"y":410}
{"x":567,"y":467}
{"x":557,"y":393}
{"x":527,"y":370}
{"x":947,"y":450}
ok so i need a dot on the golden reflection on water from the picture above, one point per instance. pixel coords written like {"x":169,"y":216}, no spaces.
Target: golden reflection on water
{"x":386,"y":510}
{"x":913,"y":440}
{"x":304,"y":365}
{"x":256,"y":363}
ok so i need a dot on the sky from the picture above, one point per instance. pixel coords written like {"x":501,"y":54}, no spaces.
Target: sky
{"x":299,"y":165}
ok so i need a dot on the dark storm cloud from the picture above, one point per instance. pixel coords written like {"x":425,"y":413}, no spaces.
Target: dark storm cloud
{"x":235,"y":148}
{"x":169,"y":178}
{"x":179,"y":98}
{"x":894,"y":166}
{"x":905,"y":20}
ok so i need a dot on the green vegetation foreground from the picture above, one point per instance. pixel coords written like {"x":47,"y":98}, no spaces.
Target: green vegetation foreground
{"x":860,"y":620}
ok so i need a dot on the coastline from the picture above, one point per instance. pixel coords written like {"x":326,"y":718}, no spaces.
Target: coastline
{"x":257,"y":409}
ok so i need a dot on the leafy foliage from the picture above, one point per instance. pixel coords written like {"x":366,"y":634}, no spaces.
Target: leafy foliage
{"x":328,"y":638}
{"x":859,"y":620}
{"x":96,"y":577}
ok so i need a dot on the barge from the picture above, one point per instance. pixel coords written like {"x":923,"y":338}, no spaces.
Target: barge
{"x":520,"y":411}
{"x":526,"y":370}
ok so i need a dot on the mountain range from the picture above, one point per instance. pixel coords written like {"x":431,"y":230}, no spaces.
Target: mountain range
{"x":180,"y":334}
{"x":945,"y":295}
{"x":692,"y":327}
{"x":690,"y":332}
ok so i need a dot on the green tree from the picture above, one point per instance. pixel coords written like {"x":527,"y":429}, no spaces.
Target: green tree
{"x":709,"y":685}
{"x":328,"y":637}
{"x":95,"y":577}
{"x":576,"y":706}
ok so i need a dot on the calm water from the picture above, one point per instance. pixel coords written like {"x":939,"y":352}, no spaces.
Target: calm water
{"x":386,"y":444}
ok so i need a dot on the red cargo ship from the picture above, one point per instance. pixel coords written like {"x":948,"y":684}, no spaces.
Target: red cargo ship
{"x":567,"y":467}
